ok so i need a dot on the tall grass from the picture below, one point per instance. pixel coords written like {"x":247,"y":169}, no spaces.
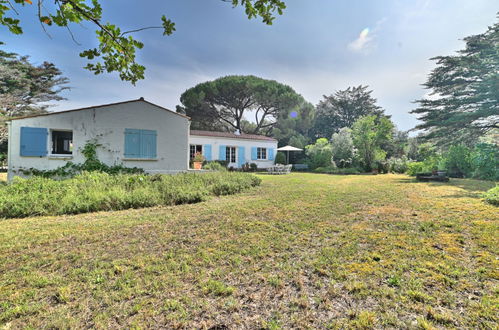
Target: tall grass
{"x":98,"y":191}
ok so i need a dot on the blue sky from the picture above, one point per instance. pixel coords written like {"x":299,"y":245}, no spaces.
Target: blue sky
{"x":317,"y":47}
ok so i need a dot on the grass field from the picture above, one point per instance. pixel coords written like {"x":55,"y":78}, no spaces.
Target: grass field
{"x":303,"y":251}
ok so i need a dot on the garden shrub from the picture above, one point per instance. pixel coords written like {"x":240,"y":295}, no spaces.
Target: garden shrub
{"x":457,"y":161}
{"x":414,"y":168}
{"x":98,"y":191}
{"x":485,"y":161}
{"x":280,"y":158}
{"x":319,"y":154}
{"x":214,"y":166}
{"x":492,"y":196}
{"x":398,"y":165}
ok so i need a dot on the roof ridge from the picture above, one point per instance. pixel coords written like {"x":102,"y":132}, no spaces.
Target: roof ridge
{"x":141,"y":99}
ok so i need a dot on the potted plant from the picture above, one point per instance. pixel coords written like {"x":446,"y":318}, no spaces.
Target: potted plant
{"x":197,"y":161}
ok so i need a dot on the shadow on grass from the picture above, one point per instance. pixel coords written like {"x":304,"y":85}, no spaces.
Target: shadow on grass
{"x":471,"y":188}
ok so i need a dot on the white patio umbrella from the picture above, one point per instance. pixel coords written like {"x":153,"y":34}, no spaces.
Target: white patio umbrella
{"x":288,"y":149}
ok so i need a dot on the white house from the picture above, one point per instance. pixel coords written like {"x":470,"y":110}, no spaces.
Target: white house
{"x":236,"y":149}
{"x":134,"y":133}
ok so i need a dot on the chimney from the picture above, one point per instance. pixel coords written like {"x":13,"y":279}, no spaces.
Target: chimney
{"x":237,"y":132}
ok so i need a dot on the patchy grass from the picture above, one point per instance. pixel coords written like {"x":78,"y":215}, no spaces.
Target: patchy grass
{"x":302,"y":251}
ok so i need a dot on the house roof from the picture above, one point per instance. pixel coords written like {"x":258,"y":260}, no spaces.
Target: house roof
{"x":101,"y":106}
{"x":231,"y":135}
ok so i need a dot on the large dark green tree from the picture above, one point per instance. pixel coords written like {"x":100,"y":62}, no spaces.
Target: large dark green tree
{"x":116,"y":50}
{"x":343,"y":108}
{"x":26,"y":88}
{"x":231,"y":102}
{"x":464,"y":92}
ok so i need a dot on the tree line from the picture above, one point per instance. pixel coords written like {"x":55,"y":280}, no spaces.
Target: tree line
{"x":463,"y":108}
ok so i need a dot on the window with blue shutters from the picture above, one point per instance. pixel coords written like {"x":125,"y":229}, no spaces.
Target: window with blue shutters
{"x":241,"y":158}
{"x":222,"y":153}
{"x":140,"y":143}
{"x":254,"y":153}
{"x":207,"y":152}
{"x":271,"y":154}
{"x":34,"y":141}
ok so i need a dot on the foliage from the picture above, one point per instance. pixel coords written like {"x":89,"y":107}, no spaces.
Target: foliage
{"x":91,"y":164}
{"x":398,"y":146}
{"x":98,"y":191}
{"x":25,"y":88}
{"x":198,"y":157}
{"x":485,"y":161}
{"x":223,"y":103}
{"x":398,"y":165}
{"x":464,"y":102}
{"x":319,"y":154}
{"x":369,"y":134}
{"x":342,"y":148}
{"x":214,"y":166}
{"x":116,"y":50}
{"x":457,"y":161}
{"x":343,"y":108}
{"x":294,"y":127}
{"x":280,"y":158}
{"x":492,"y":196}
{"x":249,"y":167}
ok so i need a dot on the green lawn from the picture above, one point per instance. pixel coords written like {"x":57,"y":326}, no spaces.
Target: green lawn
{"x":303,"y":251}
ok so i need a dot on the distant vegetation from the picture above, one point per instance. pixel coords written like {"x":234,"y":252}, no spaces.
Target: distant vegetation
{"x":99,"y":191}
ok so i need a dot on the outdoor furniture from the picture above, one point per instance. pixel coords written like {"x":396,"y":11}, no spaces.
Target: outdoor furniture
{"x":279,"y":169}
{"x":439,"y":176}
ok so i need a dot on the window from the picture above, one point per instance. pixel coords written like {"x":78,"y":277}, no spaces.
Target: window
{"x":261,"y":153}
{"x":62,"y":142}
{"x":194,"y":149}
{"x":230,"y":154}
{"x":140,"y":143}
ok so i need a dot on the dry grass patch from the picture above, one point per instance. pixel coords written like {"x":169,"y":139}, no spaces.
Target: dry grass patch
{"x":302,"y":251}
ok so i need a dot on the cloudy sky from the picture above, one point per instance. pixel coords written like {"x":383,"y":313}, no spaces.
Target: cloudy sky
{"x":317,"y":47}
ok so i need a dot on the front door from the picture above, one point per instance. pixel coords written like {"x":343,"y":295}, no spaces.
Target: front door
{"x":230,"y":155}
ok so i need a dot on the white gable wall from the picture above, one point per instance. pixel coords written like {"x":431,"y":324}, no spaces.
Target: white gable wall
{"x":216,"y":142}
{"x":107,"y":124}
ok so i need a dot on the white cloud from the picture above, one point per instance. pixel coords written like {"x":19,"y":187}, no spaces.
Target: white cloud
{"x":362,"y":42}
{"x":365,"y":42}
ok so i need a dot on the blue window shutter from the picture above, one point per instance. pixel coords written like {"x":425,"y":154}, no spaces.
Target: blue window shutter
{"x":132,"y":143}
{"x":207,"y":151}
{"x":241,"y":157}
{"x":34,"y":141}
{"x":271,"y":153}
{"x":221,"y":153}
{"x":254,"y":153}
{"x":147,"y":144}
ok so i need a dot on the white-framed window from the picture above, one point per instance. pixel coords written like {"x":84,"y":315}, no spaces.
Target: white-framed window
{"x":261,"y":153}
{"x":230,"y":154}
{"x":194,"y":149}
{"x":61,"y":142}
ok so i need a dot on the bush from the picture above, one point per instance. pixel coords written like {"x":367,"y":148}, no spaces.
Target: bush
{"x":319,"y":154}
{"x":97,"y":191}
{"x":214,"y":166}
{"x":414,"y":168}
{"x":398,"y":165}
{"x":457,"y":161}
{"x":492,"y":196}
{"x":280,"y":158}
{"x":485,"y":160}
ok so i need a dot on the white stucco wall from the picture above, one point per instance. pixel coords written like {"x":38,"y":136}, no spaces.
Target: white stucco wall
{"x":107,"y":124}
{"x":216,"y":142}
